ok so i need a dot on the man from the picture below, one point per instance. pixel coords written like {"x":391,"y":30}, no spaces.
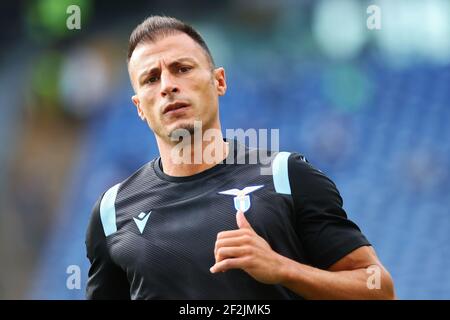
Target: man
{"x":214,"y":230}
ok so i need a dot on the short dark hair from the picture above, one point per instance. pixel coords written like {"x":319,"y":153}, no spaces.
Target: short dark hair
{"x":156,"y":27}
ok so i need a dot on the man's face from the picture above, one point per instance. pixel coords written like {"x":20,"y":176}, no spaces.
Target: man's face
{"x":175,"y":84}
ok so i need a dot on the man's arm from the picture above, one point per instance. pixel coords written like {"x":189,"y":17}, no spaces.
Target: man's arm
{"x":106,"y":279}
{"x":346,"y":279}
{"x":337,"y":251}
{"x":349,"y":278}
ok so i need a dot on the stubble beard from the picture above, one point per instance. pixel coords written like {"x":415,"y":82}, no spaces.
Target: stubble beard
{"x":183,"y":131}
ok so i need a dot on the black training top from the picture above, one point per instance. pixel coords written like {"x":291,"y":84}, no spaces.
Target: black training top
{"x":152,"y":236}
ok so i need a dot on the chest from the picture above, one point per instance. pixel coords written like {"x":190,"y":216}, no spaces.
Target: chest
{"x":178,"y":234}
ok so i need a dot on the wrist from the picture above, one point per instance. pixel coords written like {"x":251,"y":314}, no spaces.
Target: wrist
{"x":286,"y":272}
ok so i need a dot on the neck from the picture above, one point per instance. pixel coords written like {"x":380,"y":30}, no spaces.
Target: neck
{"x":192,"y":155}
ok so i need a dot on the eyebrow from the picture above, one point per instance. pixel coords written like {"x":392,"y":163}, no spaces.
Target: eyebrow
{"x":172,"y":64}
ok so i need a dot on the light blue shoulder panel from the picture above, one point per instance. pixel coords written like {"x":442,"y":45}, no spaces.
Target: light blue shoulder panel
{"x":108,"y":210}
{"x":280,"y":173}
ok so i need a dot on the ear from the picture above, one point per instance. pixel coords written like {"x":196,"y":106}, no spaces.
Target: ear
{"x":220,"y":81}
{"x":136,"y":102}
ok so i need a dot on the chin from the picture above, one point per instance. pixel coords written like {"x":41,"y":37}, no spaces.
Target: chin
{"x":179,"y":130}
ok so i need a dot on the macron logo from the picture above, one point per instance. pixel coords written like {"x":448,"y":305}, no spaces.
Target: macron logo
{"x":141,"y":220}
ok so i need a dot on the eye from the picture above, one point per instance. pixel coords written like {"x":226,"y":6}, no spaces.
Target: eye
{"x":152,"y":79}
{"x":184,"y":69}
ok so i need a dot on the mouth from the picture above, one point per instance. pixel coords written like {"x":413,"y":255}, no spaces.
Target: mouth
{"x":175,"y":106}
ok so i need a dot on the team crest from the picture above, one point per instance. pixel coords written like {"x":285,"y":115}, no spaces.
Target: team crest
{"x":242,"y":198}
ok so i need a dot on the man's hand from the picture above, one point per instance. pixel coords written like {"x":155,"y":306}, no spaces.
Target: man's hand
{"x":244,"y":249}
{"x":346,"y":279}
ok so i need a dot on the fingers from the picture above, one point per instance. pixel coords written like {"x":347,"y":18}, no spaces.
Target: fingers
{"x":243,"y":224}
{"x":233,"y":247}
{"x":233,"y":238}
{"x":231,"y":252}
{"x":232,"y":263}
{"x":232,"y":233}
{"x":242,"y":221}
{"x":232,"y":242}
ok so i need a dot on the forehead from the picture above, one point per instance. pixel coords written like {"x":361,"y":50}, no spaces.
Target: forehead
{"x":167,"y":49}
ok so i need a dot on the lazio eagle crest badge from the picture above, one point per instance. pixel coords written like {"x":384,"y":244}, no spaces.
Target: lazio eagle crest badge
{"x":242,"y":198}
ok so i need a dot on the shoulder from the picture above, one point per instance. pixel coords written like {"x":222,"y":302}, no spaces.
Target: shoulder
{"x":293,"y":174}
{"x":103,"y":215}
{"x":95,"y":233}
{"x":142,"y":175}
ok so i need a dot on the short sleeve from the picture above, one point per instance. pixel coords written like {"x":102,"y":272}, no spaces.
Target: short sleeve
{"x":321,"y":222}
{"x":106,"y":280}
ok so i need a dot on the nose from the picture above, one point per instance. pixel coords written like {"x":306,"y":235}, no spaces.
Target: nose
{"x":168,"y":85}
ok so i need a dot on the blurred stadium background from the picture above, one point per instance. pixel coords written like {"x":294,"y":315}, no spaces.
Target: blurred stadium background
{"x":370,"y":108}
